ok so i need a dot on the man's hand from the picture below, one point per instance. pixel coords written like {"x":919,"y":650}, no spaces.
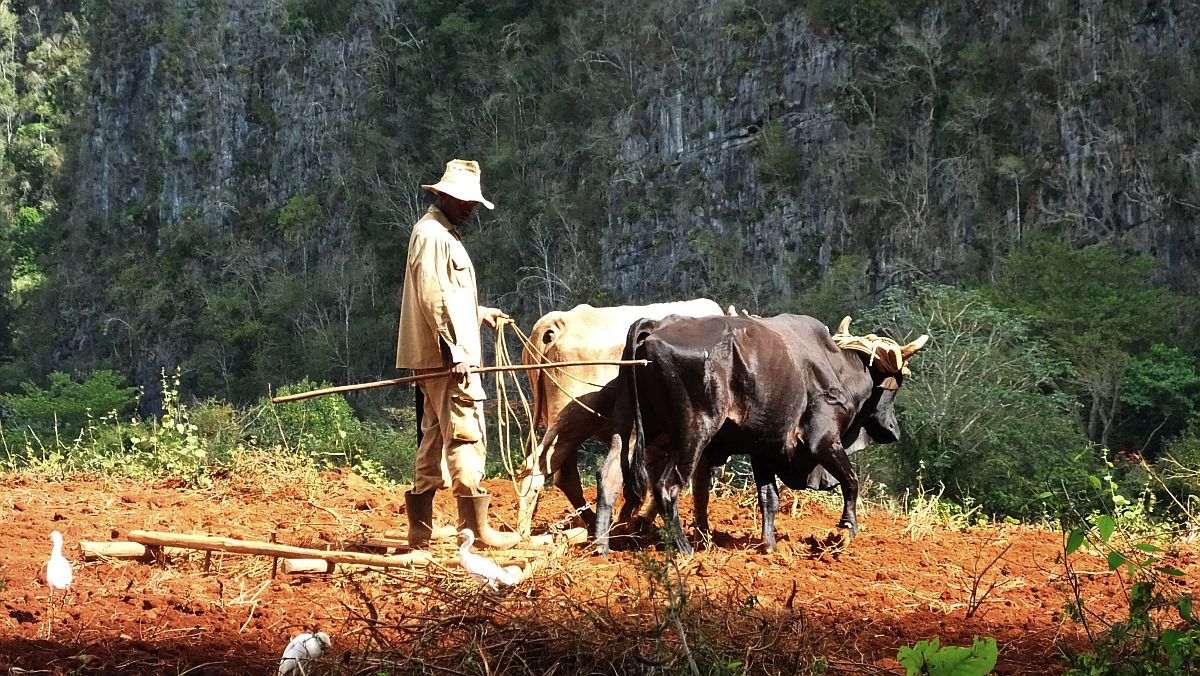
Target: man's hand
{"x":492,"y":316}
{"x":462,"y":370}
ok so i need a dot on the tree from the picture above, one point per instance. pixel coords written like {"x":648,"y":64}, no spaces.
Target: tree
{"x":1161,"y":389}
{"x":1098,"y":307}
{"x":981,"y":412}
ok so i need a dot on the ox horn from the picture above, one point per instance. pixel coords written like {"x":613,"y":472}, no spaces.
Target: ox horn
{"x":910,"y":349}
{"x":844,"y":327}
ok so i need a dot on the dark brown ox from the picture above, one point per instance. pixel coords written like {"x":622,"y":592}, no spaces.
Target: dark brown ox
{"x":574,"y":403}
{"x":778,"y":389}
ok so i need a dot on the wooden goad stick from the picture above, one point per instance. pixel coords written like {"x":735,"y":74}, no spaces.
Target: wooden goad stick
{"x":443,"y":374}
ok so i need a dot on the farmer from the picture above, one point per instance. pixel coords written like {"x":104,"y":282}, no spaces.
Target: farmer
{"x":439,"y":329}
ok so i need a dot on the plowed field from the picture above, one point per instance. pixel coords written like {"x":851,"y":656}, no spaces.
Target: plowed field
{"x":794,"y":611}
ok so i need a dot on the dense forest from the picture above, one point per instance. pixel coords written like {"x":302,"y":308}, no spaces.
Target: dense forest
{"x":223,"y":189}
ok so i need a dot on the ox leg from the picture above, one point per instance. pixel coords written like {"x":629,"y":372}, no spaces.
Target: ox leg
{"x":567,"y":479}
{"x":768,"y":502}
{"x":676,"y":473}
{"x":666,"y":494}
{"x":557,"y":456}
{"x":608,"y":485}
{"x":832,"y":456}
{"x":701,"y":487}
{"x":639,"y":511}
{"x":532,"y":482}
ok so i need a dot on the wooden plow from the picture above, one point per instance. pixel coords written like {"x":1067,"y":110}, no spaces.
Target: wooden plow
{"x":530,"y":556}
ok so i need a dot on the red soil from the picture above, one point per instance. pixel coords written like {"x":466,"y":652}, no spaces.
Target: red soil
{"x":778,"y":613}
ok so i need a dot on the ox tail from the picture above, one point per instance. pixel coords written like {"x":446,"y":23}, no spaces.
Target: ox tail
{"x":639,"y":477}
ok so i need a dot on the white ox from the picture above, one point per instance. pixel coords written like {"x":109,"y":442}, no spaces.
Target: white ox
{"x":574,"y":403}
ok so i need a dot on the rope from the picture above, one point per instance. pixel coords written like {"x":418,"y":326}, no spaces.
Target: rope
{"x":506,"y":411}
{"x":541,"y":359}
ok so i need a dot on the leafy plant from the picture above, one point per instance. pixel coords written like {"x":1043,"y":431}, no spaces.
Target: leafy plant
{"x":326,"y":430}
{"x":933,"y":659}
{"x":1150,"y":640}
{"x":779,"y":159}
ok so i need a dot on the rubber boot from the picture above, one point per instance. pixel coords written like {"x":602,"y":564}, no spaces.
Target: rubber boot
{"x":420,"y":518}
{"x":473,"y":514}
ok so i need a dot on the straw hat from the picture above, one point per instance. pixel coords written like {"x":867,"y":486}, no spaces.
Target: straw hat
{"x":461,"y":181}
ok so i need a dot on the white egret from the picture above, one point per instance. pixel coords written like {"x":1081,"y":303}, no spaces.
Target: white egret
{"x":58,"y":575}
{"x":58,"y":570}
{"x":301,"y":651}
{"x":482,"y":568}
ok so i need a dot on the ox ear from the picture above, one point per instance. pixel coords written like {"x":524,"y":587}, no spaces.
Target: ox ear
{"x":896,"y":354}
{"x":911,"y":349}
{"x":844,"y":327}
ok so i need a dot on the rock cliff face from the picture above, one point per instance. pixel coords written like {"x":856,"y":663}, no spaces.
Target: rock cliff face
{"x":694,"y":195}
{"x":230,"y":150}
{"x":972,"y":130}
{"x":198,"y":110}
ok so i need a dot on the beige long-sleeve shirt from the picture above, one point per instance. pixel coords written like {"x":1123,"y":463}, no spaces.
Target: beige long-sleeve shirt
{"x":440,"y":305}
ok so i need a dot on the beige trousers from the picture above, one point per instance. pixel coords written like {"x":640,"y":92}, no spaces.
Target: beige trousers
{"x":452,"y":451}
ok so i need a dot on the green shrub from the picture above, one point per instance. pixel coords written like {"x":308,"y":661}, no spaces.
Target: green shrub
{"x":318,"y":16}
{"x":325,"y":429}
{"x":64,"y":408}
{"x":1160,"y":635}
{"x":1180,"y":468}
{"x":779,"y":160}
{"x":318,"y":426}
{"x":111,"y":443}
{"x":861,"y":20}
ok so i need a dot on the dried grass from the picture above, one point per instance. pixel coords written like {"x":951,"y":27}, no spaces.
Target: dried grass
{"x":439,"y":620}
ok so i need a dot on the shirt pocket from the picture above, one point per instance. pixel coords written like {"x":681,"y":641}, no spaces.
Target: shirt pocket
{"x":459,"y":272}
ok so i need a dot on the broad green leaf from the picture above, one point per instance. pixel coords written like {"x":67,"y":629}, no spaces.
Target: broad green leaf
{"x":977,"y":660}
{"x":1074,"y":540}
{"x":1167,"y":570}
{"x":911,"y":659}
{"x":1116,"y":560}
{"x":1169,"y":638}
{"x":1149,"y":548}
{"x":1185,"y":608}
{"x":1106,"y":526}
